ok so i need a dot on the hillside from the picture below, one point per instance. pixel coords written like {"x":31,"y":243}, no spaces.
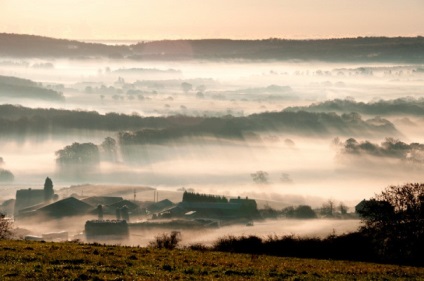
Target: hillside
{"x":14,"y":87}
{"x":361,"y":49}
{"x":74,"y":261}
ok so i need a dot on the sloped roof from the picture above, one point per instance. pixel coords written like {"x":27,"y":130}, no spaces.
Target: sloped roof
{"x":66,"y":207}
{"x":122,"y":203}
{"x":8,"y":202}
{"x":33,"y":208}
{"x":107,"y":210}
{"x":161,"y":205}
{"x":101,"y":200}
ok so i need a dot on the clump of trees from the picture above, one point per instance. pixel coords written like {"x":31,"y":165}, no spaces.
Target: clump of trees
{"x":393,"y":148}
{"x":260,"y":177}
{"x":78,"y":153}
{"x":109,"y":149}
{"x":404,"y":105}
{"x":299,"y":212}
{"x":78,"y":159}
{"x":394,"y":221}
{"x":5,"y":175}
{"x":204,"y":198}
{"x":87,"y":153}
{"x":328,"y":210}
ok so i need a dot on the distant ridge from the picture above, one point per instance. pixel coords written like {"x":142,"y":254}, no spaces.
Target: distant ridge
{"x":365,"y":49}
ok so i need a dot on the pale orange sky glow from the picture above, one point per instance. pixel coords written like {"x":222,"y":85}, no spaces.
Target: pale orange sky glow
{"x":193,"y":19}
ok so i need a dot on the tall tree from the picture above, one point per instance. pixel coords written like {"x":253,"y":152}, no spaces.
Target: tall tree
{"x":48,"y":189}
{"x":394,"y":219}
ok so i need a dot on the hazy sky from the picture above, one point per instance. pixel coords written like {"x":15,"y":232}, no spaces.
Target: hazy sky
{"x":193,"y":19}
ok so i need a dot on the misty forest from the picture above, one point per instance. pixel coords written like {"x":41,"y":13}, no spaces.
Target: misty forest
{"x":288,"y":129}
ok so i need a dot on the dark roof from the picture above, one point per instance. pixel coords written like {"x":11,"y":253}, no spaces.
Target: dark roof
{"x":8,"y":202}
{"x":122,"y":203}
{"x":66,"y":207}
{"x":33,"y":208}
{"x":161,"y":205}
{"x":101,"y":200}
{"x":360,"y":206}
{"x":106,"y":210}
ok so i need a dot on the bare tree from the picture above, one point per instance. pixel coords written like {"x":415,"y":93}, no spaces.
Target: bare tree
{"x":327,"y":208}
{"x":342,"y":208}
{"x":5,"y":227}
{"x":260,"y":177}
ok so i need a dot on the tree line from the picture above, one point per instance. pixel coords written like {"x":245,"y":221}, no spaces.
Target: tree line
{"x":329,"y":209}
{"x":392,"y":231}
{"x":399,"y":49}
{"x":139,"y":130}
{"x":402,"y":106}
{"x":390,"y":147}
{"x":203,"y":198}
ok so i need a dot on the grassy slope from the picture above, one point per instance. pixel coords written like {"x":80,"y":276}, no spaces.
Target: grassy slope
{"x":24,"y":260}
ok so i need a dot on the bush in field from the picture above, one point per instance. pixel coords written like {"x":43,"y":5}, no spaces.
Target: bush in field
{"x":352,"y":246}
{"x":244,"y":244}
{"x":166,"y":241}
{"x":5,"y":227}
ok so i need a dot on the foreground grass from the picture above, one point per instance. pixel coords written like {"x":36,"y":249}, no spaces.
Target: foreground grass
{"x":25,"y":260}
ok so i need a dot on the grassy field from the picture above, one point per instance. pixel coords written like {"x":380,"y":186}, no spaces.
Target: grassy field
{"x":25,"y":260}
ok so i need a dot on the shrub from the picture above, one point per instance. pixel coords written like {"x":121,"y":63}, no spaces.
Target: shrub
{"x":5,"y":227}
{"x":198,"y":247}
{"x":166,"y":241}
{"x":244,"y":244}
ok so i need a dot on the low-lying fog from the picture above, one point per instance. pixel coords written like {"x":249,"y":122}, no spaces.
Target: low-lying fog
{"x":301,"y":170}
{"x":303,"y":228}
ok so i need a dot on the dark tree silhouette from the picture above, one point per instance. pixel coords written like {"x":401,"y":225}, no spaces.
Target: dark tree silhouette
{"x":5,"y":227}
{"x":78,"y":153}
{"x":6,"y":176}
{"x":394,"y":220}
{"x":48,"y":189}
{"x":300,"y":212}
{"x":109,"y":149}
{"x":304,"y":212}
{"x":260,"y":177}
{"x":204,"y":198}
{"x":187,"y":87}
{"x":342,"y":208}
{"x":327,"y":208}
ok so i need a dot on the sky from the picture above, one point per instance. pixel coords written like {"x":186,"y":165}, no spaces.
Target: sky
{"x":196,"y":19}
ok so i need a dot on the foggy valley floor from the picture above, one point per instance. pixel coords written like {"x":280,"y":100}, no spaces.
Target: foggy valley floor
{"x":282,"y":131}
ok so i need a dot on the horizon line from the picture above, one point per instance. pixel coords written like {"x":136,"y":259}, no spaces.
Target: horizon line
{"x":87,"y":40}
